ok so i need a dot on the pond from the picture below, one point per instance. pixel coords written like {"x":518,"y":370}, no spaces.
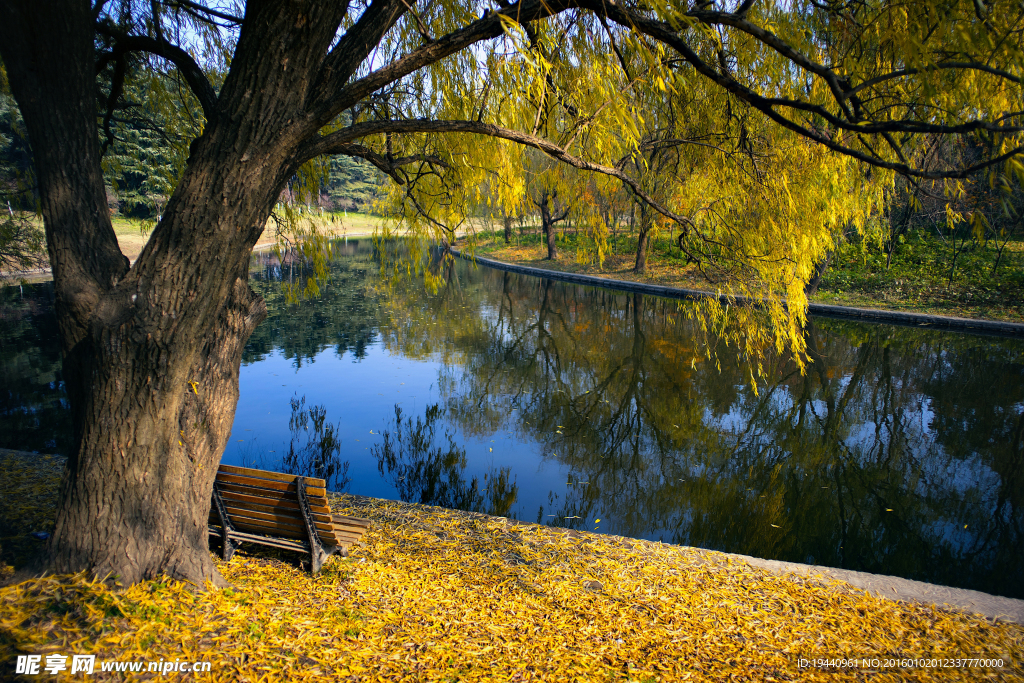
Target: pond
{"x":900,"y":451}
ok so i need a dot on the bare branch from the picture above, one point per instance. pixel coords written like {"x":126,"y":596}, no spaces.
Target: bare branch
{"x":189,"y":69}
{"x":388,"y":166}
{"x":973,"y":66}
{"x":664,"y":32}
{"x":771,"y":40}
{"x":196,"y":7}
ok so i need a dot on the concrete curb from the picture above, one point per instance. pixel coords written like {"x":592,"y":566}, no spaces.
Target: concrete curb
{"x":988,"y":327}
{"x":894,"y":588}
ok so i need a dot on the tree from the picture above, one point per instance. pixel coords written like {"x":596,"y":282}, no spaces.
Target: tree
{"x":21,"y":241}
{"x":550,"y":215}
{"x":146,"y":131}
{"x":152,"y":352}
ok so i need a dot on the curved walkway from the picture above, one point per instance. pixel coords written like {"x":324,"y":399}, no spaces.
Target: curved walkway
{"x":894,"y":588}
{"x":992,"y":327}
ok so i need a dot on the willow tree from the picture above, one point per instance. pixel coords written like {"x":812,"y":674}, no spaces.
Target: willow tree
{"x":152,"y":349}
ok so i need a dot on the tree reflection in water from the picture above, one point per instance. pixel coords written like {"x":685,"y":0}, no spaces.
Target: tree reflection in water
{"x":315,"y":447}
{"x":431,"y":473}
{"x":899,"y":451}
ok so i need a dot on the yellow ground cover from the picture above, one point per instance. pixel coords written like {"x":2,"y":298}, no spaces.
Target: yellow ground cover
{"x":440,"y":595}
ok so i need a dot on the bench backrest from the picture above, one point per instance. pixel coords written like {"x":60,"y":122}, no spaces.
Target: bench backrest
{"x":268,"y":503}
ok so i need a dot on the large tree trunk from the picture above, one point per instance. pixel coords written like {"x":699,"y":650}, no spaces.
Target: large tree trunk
{"x":508,"y":228}
{"x":643,"y":239}
{"x":152,"y":354}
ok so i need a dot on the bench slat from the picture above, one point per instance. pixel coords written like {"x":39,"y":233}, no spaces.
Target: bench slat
{"x":294,"y":530}
{"x":247,"y":523}
{"x":277,"y":503}
{"x":289,"y":516}
{"x":346,"y":539}
{"x":264,"y":507}
{"x":286,"y":514}
{"x":241,"y":513}
{"x":292,"y":495}
{"x":276,"y":529}
{"x":351,"y":521}
{"x":318,"y":491}
{"x":265,"y":474}
{"x":264,"y":540}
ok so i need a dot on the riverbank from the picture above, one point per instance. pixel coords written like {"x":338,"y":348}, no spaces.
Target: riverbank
{"x":893,"y":291}
{"x":974,"y":325}
{"x":436,"y":594}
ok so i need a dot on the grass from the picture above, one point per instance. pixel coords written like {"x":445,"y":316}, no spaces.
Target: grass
{"x":132,"y":234}
{"x":441,"y":595}
{"x":917,"y":281}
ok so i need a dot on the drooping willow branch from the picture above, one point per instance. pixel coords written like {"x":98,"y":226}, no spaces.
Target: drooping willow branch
{"x":390,"y":166}
{"x":666,"y":34}
{"x":339,"y":141}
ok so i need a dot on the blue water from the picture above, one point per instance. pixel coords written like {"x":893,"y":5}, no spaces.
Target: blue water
{"x":900,"y":451}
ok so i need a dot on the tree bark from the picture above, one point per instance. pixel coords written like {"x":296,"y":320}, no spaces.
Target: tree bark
{"x":820,"y":269}
{"x":643,"y":239}
{"x":152,"y":354}
{"x":508,"y":228}
{"x":548,"y":220}
{"x":549,"y":234}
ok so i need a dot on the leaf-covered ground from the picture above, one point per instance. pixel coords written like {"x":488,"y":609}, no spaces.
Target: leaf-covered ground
{"x":441,"y":595}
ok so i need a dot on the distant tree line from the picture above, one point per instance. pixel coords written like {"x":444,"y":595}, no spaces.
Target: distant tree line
{"x":145,"y":139}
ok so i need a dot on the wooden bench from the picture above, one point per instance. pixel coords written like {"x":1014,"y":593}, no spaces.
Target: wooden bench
{"x":279,"y":510}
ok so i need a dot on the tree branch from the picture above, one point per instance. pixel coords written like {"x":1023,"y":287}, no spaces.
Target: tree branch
{"x":196,"y":7}
{"x":738,"y":21}
{"x":339,"y":140}
{"x":192,"y":72}
{"x":664,"y":33}
{"x":974,"y":66}
{"x":388,"y":166}
{"x":337,"y":96}
{"x":354,"y":47}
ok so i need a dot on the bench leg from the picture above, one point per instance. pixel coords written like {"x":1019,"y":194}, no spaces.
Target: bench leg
{"x":227,"y":545}
{"x":227,"y":549}
{"x":316,"y":549}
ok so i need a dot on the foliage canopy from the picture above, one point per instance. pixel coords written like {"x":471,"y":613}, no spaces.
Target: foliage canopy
{"x":759,"y":132}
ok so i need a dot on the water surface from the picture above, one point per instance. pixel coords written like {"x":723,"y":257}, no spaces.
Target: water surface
{"x":900,"y":451}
